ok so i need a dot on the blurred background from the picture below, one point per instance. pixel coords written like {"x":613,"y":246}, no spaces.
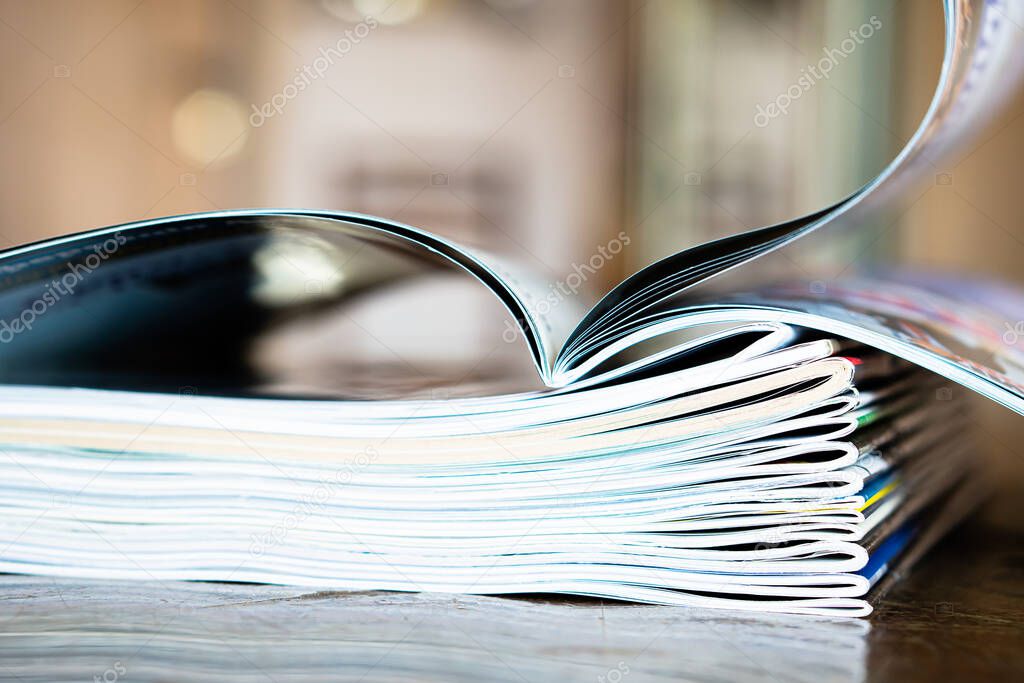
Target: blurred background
{"x":539,"y":129}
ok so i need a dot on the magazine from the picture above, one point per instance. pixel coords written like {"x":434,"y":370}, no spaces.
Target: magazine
{"x":706,"y":434}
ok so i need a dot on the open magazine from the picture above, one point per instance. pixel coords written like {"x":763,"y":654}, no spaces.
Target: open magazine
{"x":707,"y":434}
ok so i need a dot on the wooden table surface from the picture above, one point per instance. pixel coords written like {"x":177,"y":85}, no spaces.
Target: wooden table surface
{"x":958,"y":616}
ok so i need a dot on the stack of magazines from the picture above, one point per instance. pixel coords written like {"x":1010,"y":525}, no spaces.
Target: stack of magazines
{"x":758,"y":470}
{"x":706,"y":435}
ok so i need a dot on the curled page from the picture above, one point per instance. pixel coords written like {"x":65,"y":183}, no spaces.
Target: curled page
{"x":983,"y":64}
